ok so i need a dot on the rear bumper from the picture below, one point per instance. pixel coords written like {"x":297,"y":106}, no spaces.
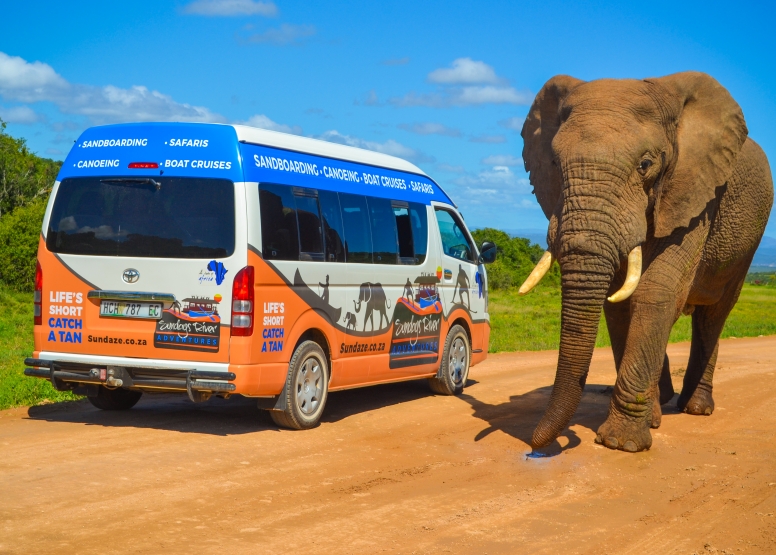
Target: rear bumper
{"x":68,"y":375}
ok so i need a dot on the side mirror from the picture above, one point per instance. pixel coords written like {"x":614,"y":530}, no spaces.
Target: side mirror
{"x":487,"y":252}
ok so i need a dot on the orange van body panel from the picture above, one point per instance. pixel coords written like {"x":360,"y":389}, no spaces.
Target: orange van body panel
{"x":259,"y":363}
{"x":122,"y":337}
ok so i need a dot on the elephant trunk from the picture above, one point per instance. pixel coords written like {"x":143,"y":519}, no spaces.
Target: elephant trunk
{"x":357,"y":306}
{"x":583,"y":293}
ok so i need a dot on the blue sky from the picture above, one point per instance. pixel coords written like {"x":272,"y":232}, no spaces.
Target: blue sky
{"x":443,"y":84}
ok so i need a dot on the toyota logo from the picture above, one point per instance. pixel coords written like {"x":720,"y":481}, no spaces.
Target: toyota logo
{"x":131,"y":275}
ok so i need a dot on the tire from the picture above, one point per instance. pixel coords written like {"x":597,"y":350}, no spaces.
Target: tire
{"x":115,"y":399}
{"x":307,"y":388}
{"x":454,"y":369}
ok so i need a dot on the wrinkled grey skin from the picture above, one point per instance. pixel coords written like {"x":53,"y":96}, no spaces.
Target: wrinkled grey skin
{"x":664,"y":163}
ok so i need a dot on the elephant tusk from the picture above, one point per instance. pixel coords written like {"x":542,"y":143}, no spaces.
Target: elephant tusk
{"x":537,"y":274}
{"x":631,"y":279}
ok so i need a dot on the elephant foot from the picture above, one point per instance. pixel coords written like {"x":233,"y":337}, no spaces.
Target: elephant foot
{"x":701,"y":403}
{"x":657,"y":414}
{"x":626,"y":434}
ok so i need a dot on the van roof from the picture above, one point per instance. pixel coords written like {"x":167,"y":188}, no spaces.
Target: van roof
{"x":240,"y":152}
{"x":287,"y":141}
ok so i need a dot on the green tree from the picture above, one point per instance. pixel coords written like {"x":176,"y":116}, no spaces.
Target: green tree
{"x":19,"y":236}
{"x":24,"y":176}
{"x":515,"y":260}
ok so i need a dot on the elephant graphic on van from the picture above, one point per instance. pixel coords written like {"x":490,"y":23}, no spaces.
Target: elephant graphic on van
{"x":373,"y":295}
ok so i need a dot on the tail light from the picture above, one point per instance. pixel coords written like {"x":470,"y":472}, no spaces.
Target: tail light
{"x":38,"y":297}
{"x":242,"y":302}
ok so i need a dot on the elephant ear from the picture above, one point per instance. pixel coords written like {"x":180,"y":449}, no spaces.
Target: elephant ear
{"x":709,"y":135}
{"x":539,"y":129}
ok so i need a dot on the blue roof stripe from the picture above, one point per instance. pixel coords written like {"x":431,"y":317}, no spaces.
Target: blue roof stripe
{"x":210,"y":150}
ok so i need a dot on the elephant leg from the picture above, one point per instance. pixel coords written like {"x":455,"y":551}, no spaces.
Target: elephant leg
{"x":635,"y":407}
{"x":707,"y":324}
{"x":618,"y":323}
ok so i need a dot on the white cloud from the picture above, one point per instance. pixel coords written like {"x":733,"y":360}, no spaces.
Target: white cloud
{"x":492,"y":95}
{"x":284,"y":35}
{"x":467,"y":83}
{"x":388,"y":147}
{"x":502,"y":160}
{"x":464,"y":71}
{"x":515,"y":123}
{"x":27,"y":82}
{"x":498,"y":178}
{"x":495,"y":197}
{"x":488,"y":139}
{"x":464,"y":96}
{"x":231,"y":8}
{"x":430,"y":128}
{"x":370,"y":99}
{"x":23,"y":115}
{"x":137,"y":103}
{"x":38,"y":82}
{"x":263,"y":122}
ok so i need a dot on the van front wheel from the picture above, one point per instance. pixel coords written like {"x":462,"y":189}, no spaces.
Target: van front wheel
{"x":454,"y":369}
{"x":307,"y":387}
{"x":115,"y":399}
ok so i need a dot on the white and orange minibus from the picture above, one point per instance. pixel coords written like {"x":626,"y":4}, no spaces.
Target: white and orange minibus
{"x":222,"y":259}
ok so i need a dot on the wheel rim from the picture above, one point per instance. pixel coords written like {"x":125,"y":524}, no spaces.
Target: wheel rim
{"x":309,"y":386}
{"x":457,"y":360}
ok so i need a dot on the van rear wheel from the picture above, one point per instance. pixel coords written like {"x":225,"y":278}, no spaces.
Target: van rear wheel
{"x":307,"y":388}
{"x":454,"y":370}
{"x":115,"y":399}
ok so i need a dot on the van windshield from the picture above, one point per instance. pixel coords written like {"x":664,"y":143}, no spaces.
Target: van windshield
{"x":164,"y":217}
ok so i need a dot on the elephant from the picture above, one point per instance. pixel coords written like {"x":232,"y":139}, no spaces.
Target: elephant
{"x":350,"y":321}
{"x":656,"y":200}
{"x":373,"y":295}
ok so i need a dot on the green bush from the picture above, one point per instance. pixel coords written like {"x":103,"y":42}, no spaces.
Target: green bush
{"x":515,"y":260}
{"x":19,"y":235}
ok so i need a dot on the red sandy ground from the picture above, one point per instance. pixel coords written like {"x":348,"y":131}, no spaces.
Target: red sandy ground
{"x":396,"y":469}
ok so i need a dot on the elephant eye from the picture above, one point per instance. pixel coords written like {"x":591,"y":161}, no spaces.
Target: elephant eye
{"x":644,"y":166}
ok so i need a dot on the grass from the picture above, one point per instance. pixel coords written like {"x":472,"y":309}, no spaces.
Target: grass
{"x":532,"y":323}
{"x":15,"y":344}
{"x":529,"y":323}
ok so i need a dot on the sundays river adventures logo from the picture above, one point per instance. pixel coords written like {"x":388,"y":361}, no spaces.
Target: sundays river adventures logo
{"x":196,"y":326}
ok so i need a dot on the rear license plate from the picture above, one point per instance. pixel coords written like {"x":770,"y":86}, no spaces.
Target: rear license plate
{"x":116,"y":309}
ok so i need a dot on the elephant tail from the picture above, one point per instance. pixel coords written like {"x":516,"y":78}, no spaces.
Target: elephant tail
{"x":387,"y":302}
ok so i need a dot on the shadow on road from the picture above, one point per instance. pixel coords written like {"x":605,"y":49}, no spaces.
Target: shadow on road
{"x":234,"y":416}
{"x":518,"y":416}
{"x":239,"y":415}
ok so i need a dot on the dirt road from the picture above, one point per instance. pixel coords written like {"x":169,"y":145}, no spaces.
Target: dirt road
{"x":395,"y":469}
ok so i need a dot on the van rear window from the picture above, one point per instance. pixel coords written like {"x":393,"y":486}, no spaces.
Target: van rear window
{"x":159,"y":217}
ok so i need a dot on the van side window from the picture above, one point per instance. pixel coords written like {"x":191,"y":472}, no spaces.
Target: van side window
{"x":419,"y":222}
{"x":384,"y":247}
{"x":333,"y":234}
{"x":401,"y":211}
{"x":279,"y":233}
{"x":455,"y":241}
{"x":358,"y":237}
{"x":310,"y":229}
